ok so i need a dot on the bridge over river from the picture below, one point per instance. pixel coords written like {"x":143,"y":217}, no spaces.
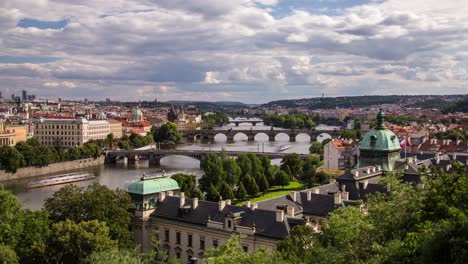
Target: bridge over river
{"x":251,"y":133}
{"x":155,"y":155}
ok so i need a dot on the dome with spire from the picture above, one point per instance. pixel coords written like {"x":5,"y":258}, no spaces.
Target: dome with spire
{"x":381,"y":138}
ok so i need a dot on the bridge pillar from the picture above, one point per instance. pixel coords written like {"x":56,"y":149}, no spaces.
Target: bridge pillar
{"x":155,"y":160}
{"x":230,"y":137}
{"x":251,"y":137}
{"x":237,"y":123}
{"x":254,"y":123}
{"x":292,"y":138}
{"x":271,"y":137}
{"x":133,"y":158}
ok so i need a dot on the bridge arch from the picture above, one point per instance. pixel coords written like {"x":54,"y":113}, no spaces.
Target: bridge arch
{"x":220,"y":137}
{"x":261,"y":134}
{"x":180,"y":160}
{"x":323,"y":136}
{"x":281,"y":135}
{"x":239,"y":133}
{"x":303,"y":135}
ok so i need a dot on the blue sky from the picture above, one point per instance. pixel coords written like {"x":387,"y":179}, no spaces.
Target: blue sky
{"x":238,"y":50}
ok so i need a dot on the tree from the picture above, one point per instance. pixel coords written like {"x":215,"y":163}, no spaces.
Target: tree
{"x":226,"y":191}
{"x":167,"y":133}
{"x":96,"y":202}
{"x":263,"y":184}
{"x":245,"y":164}
{"x":282,"y":178}
{"x":73,"y":242}
{"x":233,"y":171}
{"x":293,"y":163}
{"x":11,"y":159}
{"x":11,"y":219}
{"x":187,"y":184}
{"x":241,"y":193}
{"x":8,"y":255}
{"x":212,"y":194}
{"x":316,"y":148}
{"x":32,"y":244}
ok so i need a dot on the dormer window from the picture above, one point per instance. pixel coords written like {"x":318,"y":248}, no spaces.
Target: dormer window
{"x":373,"y":139}
{"x":229,"y":223}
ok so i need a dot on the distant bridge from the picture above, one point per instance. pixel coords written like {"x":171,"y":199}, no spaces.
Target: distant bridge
{"x":242,"y":121}
{"x":154,"y":156}
{"x":251,"y":133}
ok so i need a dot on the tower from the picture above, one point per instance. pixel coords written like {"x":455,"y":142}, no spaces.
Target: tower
{"x":145,"y":195}
{"x":379,"y":146}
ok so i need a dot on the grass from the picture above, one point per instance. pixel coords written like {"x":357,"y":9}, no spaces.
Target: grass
{"x":277,"y":191}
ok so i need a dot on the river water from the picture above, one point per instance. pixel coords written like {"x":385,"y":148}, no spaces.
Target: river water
{"x":120,"y":175}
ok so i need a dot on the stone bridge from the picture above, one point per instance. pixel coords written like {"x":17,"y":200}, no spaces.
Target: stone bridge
{"x":251,"y":133}
{"x":154,"y":156}
{"x":241,"y":121}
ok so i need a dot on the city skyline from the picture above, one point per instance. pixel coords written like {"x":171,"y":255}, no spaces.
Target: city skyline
{"x":244,"y":50}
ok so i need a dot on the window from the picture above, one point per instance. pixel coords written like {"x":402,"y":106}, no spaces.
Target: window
{"x":229,"y":224}
{"x":178,"y":238}
{"x":245,"y":248}
{"x":177,"y":255}
{"x":202,"y":243}
{"x":189,"y":259}
{"x":215,"y":243}
{"x":189,"y":240}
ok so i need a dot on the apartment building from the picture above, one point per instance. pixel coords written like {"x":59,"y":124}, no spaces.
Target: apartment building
{"x":69,"y":132}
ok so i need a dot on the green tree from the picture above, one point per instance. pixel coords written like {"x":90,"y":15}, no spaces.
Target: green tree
{"x":241,"y":193}
{"x":167,"y":134}
{"x":292,"y":163}
{"x":96,"y":202}
{"x":233,"y":171}
{"x":74,"y":242}
{"x":226,"y":191}
{"x":263,"y":184}
{"x":212,"y":194}
{"x":282,"y":178}
{"x":8,"y":255}
{"x":11,"y":159}
{"x":32,"y":244}
{"x":316,"y":148}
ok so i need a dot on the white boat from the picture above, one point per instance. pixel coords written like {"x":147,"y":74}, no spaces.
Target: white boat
{"x":61,"y":179}
{"x":283,"y":148}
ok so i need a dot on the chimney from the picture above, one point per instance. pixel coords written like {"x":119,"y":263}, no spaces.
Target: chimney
{"x":356,"y":173}
{"x":162,"y":196}
{"x":448,"y":167}
{"x":365,"y":183}
{"x":345,"y":196}
{"x":373,"y":169}
{"x":458,"y":142}
{"x":337,"y":198}
{"x":332,"y":180}
{"x":194,"y":203}
{"x":228,"y":201}
{"x":247,"y":204}
{"x":221,"y":205}
{"x":309,"y":195}
{"x":379,"y":168}
{"x":293,"y":196}
{"x":454,"y":156}
{"x":316,"y":190}
{"x":406,"y":166}
{"x":368,"y":170}
{"x":253,"y":206}
{"x":279,"y":215}
{"x":290,"y":211}
{"x":170,"y":193}
{"x":182,"y":200}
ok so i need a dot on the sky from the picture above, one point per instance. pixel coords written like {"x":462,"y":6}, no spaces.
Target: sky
{"x":251,"y":51}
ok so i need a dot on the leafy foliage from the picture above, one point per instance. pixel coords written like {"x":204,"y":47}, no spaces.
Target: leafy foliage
{"x":166,"y":134}
{"x":289,"y":121}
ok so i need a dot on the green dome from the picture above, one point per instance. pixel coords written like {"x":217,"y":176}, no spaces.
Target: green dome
{"x":380,"y":139}
{"x":154,"y":185}
{"x":137,"y":112}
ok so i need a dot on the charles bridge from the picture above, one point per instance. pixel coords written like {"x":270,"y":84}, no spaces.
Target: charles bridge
{"x":251,"y":133}
{"x":155,"y":155}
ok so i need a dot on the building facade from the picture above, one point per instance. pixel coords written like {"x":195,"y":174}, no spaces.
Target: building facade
{"x":339,"y":154}
{"x":7,"y":136}
{"x":69,"y":132}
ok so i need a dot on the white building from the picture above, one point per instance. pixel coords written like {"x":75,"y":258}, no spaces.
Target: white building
{"x":69,"y":132}
{"x":339,"y":154}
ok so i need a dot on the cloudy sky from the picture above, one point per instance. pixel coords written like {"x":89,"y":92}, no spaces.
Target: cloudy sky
{"x":232,"y":50}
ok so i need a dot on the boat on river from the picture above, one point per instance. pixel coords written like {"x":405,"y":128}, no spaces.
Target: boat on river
{"x":61,"y":179}
{"x":283,"y":148}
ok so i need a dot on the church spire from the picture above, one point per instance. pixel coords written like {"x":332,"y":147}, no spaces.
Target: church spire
{"x":380,"y":120}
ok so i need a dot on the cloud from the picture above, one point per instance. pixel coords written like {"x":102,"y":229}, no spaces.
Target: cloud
{"x":241,"y":49}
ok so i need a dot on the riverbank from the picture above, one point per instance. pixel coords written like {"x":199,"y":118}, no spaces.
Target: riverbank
{"x":27,"y":172}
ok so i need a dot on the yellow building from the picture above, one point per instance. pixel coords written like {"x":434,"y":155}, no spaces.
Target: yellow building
{"x":7,"y":136}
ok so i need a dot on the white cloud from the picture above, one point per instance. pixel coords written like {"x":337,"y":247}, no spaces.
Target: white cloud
{"x":234,"y":48}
